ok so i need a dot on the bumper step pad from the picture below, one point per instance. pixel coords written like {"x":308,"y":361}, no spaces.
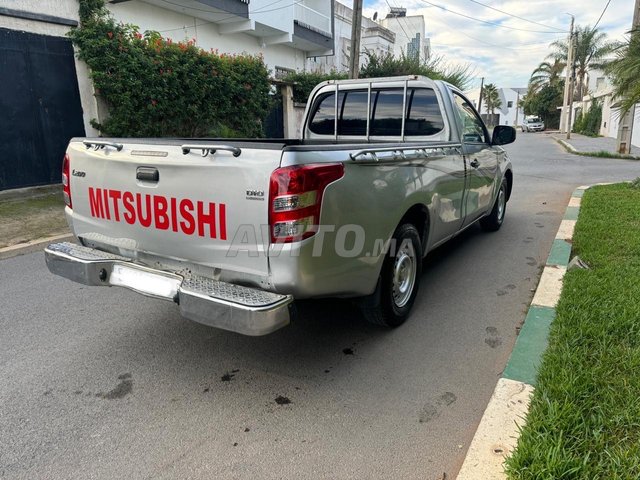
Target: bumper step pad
{"x":241,"y":309}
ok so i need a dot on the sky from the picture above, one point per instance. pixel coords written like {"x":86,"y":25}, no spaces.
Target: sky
{"x":506,"y":53}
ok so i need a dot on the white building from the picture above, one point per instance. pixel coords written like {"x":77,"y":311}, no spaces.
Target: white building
{"x":286,"y":33}
{"x":509,"y":112}
{"x":599,"y":89}
{"x":411,"y":36}
{"x":374,"y":38}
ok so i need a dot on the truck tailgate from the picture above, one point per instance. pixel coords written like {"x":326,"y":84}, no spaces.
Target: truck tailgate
{"x":154,"y":198}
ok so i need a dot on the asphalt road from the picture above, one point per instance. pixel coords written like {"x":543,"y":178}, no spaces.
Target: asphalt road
{"x":103,"y":383}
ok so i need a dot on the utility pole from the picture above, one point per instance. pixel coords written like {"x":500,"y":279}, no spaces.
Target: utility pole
{"x":572,"y":82}
{"x":566,"y":104}
{"x":625,"y":129}
{"x":517,"y":108}
{"x":480,"y":98}
{"x":356,"y":30}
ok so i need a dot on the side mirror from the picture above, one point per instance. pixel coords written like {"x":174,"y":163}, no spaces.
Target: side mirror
{"x":503,"y":135}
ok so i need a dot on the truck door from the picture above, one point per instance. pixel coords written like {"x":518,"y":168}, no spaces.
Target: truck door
{"x":481,"y":161}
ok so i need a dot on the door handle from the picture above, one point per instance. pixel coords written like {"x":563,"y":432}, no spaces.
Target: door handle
{"x":475,"y":163}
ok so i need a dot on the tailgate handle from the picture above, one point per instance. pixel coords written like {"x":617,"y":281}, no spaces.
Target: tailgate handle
{"x":211,"y":149}
{"x":147,"y":174}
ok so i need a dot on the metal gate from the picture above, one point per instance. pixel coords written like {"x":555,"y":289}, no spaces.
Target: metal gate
{"x":40,"y":107}
{"x":274,"y":123}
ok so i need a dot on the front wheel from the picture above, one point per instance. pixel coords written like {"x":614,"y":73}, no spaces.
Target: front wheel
{"x":494,"y":220}
{"x":399,"y":280}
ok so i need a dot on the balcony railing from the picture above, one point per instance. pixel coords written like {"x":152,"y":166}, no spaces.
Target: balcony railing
{"x":312,"y":19}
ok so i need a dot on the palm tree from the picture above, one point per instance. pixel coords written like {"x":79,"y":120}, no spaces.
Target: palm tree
{"x":492,"y":99}
{"x":592,"y":48}
{"x":547,"y":73}
{"x":624,"y":72}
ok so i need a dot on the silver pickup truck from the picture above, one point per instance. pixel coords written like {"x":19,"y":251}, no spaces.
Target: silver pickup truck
{"x":233,"y":231}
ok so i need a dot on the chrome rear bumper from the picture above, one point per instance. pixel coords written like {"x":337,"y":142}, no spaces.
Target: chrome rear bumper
{"x":245,"y":310}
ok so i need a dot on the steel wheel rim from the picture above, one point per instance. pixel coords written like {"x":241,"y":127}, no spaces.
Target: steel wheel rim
{"x":404,"y":274}
{"x":501,"y":204}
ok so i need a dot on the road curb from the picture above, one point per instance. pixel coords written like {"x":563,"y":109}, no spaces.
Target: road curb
{"x":566,"y":145}
{"x":32,"y":246}
{"x":571,"y":149}
{"x":499,"y":428}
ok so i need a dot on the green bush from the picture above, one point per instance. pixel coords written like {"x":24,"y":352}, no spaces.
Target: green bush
{"x":435,"y":68}
{"x":305,"y":82}
{"x":544,"y":103}
{"x":385,"y":66}
{"x":589,"y":123}
{"x":578,"y":123}
{"x":155,"y":87}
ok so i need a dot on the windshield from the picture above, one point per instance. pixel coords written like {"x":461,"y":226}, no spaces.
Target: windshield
{"x":534,"y":120}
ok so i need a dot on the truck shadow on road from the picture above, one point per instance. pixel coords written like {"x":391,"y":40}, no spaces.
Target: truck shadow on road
{"x":326,"y":335}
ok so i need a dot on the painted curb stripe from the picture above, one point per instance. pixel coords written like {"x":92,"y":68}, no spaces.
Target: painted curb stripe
{"x":497,"y":433}
{"x":530,"y":345}
{"x":549,"y":287}
{"x":565,"y":232}
{"x":571,"y":213}
{"x":499,"y":428}
{"x":560,"y":253}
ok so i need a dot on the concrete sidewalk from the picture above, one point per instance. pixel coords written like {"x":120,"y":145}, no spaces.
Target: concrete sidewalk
{"x":583,"y":145}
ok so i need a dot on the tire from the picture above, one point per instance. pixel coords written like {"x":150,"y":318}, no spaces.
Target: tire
{"x":494,"y":220}
{"x":399,"y":280}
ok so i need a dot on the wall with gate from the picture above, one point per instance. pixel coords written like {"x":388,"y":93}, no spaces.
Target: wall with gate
{"x":40,"y":105}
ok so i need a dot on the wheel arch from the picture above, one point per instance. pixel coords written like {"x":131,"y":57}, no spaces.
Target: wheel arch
{"x":509,"y":176}
{"x":418,"y":216}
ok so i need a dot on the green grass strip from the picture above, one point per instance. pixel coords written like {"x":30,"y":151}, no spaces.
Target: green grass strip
{"x":584,"y":420}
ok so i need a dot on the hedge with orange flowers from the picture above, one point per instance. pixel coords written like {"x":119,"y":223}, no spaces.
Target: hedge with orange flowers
{"x":154,"y":87}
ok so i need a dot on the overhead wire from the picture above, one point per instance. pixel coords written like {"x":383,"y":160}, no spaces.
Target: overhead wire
{"x":485,"y":21}
{"x":518,"y":17}
{"x":601,"y":15}
{"x":400,"y":24}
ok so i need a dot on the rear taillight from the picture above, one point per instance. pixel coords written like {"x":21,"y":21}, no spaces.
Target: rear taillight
{"x":66,"y":180}
{"x":295,"y":198}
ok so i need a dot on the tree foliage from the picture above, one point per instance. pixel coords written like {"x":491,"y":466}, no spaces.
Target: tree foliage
{"x":305,"y":82}
{"x":544,"y":103}
{"x":625,"y":72}
{"x":591,"y":51}
{"x":155,"y":87}
{"x":588,"y":123}
{"x":491,"y":98}
{"x":387,"y":66}
{"x":435,"y":68}
{"x":547,"y":73}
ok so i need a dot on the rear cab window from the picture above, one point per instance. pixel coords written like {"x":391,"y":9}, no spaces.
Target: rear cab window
{"x":422,"y":114}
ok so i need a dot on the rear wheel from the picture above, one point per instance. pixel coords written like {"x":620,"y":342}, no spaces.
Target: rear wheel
{"x":399,"y":280}
{"x":494,"y":220}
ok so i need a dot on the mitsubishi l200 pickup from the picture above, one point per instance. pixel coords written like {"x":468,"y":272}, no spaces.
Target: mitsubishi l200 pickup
{"x":234,"y":231}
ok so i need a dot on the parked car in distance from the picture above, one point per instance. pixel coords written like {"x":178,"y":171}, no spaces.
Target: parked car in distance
{"x":532,"y":124}
{"x":233,"y":231}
